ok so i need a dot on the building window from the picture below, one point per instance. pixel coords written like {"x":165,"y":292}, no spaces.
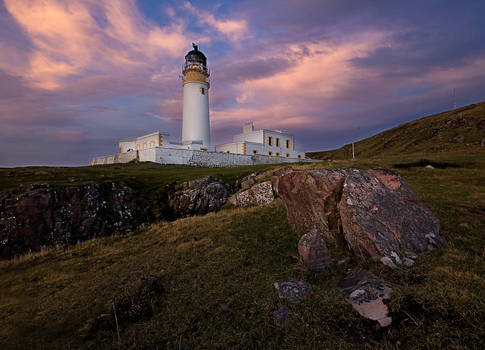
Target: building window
{"x":255,"y":151}
{"x":138,"y":146}
{"x":287,"y":155}
{"x":287,"y":143}
{"x":202,"y":90}
{"x":277,"y":154}
{"x":299,"y":156}
{"x":270,"y":153}
{"x":270,"y":140}
{"x":152,"y":144}
{"x":277,"y":142}
{"x":144,"y":145}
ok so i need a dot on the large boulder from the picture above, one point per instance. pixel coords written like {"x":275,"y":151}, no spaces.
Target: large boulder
{"x":373,"y":212}
{"x":199,"y":197}
{"x":260,"y":194}
{"x":311,"y":199}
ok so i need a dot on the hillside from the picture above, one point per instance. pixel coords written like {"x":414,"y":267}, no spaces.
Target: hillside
{"x":217,"y":272}
{"x":455,"y":130}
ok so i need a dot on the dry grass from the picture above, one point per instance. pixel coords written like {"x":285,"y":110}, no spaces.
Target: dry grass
{"x":53,"y":299}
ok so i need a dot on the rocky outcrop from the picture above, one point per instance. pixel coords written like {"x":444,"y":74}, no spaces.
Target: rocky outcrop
{"x":314,"y":252}
{"x":39,"y":215}
{"x":373,"y":212}
{"x":366,"y":293}
{"x":259,"y":194}
{"x":199,"y":197}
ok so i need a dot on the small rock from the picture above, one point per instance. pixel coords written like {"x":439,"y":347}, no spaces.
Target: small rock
{"x":226,"y":306}
{"x":365,"y":292}
{"x":292,"y":290}
{"x":281,"y":316}
{"x":459,"y":138}
{"x":313,"y":250}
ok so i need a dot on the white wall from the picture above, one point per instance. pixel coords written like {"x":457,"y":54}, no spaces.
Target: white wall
{"x":255,"y":136}
{"x":196,"y":124}
{"x":233,"y":147}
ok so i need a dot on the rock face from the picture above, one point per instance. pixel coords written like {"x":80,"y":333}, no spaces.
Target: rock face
{"x":199,"y":197}
{"x":260,"y":194}
{"x":366,"y":293}
{"x":374,"y":212}
{"x":313,"y":251}
{"x":43,"y":216}
{"x":276,"y":177}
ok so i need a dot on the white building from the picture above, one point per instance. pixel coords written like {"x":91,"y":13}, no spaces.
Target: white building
{"x":265,"y":142}
{"x":250,"y":147}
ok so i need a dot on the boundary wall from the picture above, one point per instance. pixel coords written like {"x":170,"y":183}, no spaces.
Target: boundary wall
{"x":195,"y":158}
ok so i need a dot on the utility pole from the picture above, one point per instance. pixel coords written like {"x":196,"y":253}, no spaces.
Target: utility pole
{"x":353,"y":151}
{"x":454,"y":98}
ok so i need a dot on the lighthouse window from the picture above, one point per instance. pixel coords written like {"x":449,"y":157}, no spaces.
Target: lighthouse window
{"x":270,"y":153}
{"x":202,"y":91}
{"x":270,"y":140}
{"x":287,"y":143}
{"x":255,"y":151}
{"x":287,"y":155}
{"x":277,"y":154}
{"x":277,"y":142}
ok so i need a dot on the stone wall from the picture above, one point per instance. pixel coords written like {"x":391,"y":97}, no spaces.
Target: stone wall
{"x":116,"y":158}
{"x":193,"y":158}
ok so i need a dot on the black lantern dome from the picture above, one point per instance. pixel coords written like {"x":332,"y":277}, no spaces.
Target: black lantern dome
{"x":195,"y":60}
{"x":195,"y":55}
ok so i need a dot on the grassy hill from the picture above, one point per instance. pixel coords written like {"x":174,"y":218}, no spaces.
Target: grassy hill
{"x":218,"y":273}
{"x":461,"y":129}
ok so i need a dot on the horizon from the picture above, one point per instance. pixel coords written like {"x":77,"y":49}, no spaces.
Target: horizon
{"x":77,"y":76}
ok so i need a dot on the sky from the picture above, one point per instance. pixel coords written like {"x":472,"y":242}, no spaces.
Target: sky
{"x":78,"y":75}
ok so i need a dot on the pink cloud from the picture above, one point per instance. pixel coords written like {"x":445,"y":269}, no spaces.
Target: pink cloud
{"x":231,"y":28}
{"x":68,"y":40}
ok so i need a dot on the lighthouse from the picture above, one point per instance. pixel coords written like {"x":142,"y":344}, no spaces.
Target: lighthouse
{"x":196,"y":124}
{"x":249,"y":148}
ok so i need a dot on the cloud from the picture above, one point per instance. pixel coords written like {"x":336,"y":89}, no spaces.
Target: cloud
{"x":81,"y":37}
{"x":232,"y":29}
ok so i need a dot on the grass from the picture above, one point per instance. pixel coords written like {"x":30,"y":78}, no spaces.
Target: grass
{"x":218,"y":273}
{"x":147,"y":175}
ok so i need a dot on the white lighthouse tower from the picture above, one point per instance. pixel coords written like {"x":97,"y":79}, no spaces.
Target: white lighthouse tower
{"x":196,"y":124}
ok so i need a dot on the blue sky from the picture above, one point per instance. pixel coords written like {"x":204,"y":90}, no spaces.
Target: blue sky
{"x":76,"y":76}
